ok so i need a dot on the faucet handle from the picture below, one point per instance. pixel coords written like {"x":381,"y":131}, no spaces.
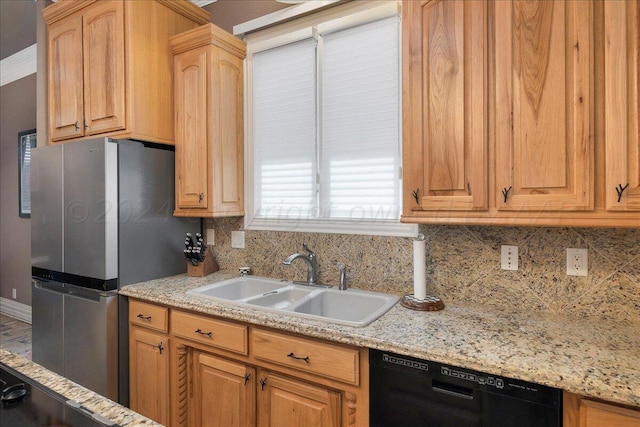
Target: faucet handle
{"x":306,"y":248}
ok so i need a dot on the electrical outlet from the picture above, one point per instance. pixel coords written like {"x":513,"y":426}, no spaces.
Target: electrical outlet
{"x":577,"y":262}
{"x":237,"y":239}
{"x":509,"y":257}
{"x":14,"y":294}
{"x":211,"y":237}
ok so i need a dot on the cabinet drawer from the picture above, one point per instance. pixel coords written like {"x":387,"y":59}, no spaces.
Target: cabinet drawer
{"x":149,"y":315}
{"x":215,"y":332}
{"x":325,"y":359}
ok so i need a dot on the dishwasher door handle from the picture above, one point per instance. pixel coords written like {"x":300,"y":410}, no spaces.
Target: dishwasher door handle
{"x":460,"y":392}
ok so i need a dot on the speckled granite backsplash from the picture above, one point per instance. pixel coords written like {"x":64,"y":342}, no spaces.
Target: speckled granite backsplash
{"x":463,"y":264}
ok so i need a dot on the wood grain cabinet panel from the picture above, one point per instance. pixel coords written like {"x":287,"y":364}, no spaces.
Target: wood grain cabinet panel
{"x":224,"y":392}
{"x":544,"y":122}
{"x":149,"y":316}
{"x":581,"y":412}
{"x":215,"y":332}
{"x":103,"y":52}
{"x":218,"y":377}
{"x":321,"y":358}
{"x":149,"y":374}
{"x":622,"y":94}
{"x":191,"y":70}
{"x":109,"y":67}
{"x":286,"y":402}
{"x":521,"y":112}
{"x":64,"y":46}
{"x":208,"y":65}
{"x":445,"y":108}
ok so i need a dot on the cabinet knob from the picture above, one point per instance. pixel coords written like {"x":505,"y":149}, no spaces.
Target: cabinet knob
{"x":200,"y":197}
{"x":84,"y":122}
{"x":76,"y":125}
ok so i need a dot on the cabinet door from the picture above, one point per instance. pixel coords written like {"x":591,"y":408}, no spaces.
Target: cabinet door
{"x":445,"y":108}
{"x":103,"y":47}
{"x":543,"y":86}
{"x":191,"y":129}
{"x":224,"y":394}
{"x":622,"y":94}
{"x":65,"y":78}
{"x":149,"y":374}
{"x":228,"y":128}
{"x":286,"y":402}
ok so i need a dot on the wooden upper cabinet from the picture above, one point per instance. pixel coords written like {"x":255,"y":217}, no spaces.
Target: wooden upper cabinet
{"x":65,"y":79}
{"x":103,"y":51}
{"x":543,"y":107}
{"x":208,"y":65}
{"x":110,"y":67}
{"x":191,"y":69}
{"x":445,"y":107}
{"x":622,"y":94}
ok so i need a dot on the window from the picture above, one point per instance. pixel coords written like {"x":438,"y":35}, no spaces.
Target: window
{"x":324,"y":126}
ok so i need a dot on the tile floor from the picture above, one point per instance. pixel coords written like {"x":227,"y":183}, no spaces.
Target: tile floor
{"x":15,"y":336}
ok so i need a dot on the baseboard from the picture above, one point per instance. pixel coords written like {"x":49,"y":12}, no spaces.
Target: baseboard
{"x":15,"y":309}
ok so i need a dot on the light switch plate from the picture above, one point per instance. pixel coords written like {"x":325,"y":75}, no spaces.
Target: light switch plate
{"x":237,"y":239}
{"x":211,"y":237}
{"x":509,"y":257}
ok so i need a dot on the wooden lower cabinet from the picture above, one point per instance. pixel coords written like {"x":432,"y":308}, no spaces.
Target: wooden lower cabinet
{"x":581,"y":412}
{"x":224,"y":392}
{"x":149,"y":374}
{"x":214,"y":377}
{"x":287,"y":402}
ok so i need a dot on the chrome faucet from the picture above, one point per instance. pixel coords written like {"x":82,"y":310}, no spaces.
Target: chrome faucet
{"x":310,"y":259}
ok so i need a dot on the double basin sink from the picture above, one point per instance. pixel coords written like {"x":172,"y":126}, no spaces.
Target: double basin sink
{"x":350,"y":307}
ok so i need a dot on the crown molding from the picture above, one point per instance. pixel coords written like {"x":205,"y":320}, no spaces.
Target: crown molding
{"x":18,"y":65}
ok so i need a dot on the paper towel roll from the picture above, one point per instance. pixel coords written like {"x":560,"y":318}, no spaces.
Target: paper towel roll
{"x":419,"y":268}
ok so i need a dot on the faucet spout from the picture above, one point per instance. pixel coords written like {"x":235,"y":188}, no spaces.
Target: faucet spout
{"x":310,"y":260}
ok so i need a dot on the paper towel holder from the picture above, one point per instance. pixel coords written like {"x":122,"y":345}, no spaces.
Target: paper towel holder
{"x":430,"y":303}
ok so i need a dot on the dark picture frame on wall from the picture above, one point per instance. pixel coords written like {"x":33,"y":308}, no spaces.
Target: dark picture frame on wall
{"x":26,"y":141}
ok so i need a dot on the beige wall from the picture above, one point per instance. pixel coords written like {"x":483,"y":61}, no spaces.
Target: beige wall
{"x":17,"y":113}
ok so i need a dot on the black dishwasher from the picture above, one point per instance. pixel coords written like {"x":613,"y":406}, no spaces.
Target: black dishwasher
{"x":411,"y":392}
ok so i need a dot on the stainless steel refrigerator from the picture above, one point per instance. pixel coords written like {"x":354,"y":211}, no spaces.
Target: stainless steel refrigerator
{"x":101,"y":218}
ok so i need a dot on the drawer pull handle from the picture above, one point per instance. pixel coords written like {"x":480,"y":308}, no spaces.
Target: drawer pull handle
{"x":247,"y":377}
{"x":143,"y":317}
{"x":293,"y":356}
{"x":201,"y":332}
{"x":263,"y":382}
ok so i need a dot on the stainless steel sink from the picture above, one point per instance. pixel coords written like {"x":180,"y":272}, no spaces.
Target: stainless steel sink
{"x":351,"y":307}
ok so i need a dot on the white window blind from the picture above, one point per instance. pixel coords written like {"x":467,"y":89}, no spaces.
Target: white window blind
{"x":325,"y":128}
{"x":284,"y":112}
{"x":360,"y":122}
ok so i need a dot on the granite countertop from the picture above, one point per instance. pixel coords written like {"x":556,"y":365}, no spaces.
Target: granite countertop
{"x":109,"y":409}
{"x":586,"y":356}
